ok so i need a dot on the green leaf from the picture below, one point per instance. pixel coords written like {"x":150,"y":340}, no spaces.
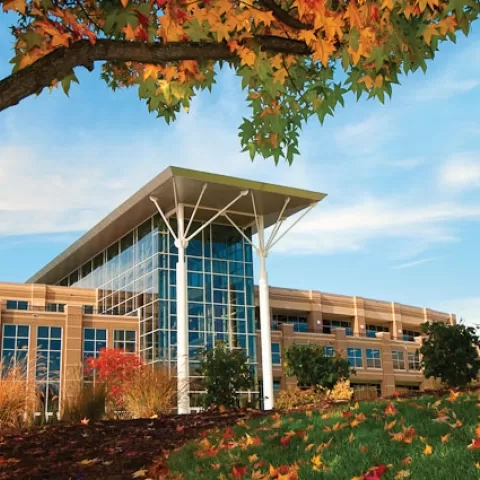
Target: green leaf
{"x":66,"y":81}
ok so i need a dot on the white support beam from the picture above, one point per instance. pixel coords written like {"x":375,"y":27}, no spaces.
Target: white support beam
{"x":183,"y":374}
{"x":164,"y":218}
{"x":239,"y":230}
{"x":195,"y":209}
{"x":278,"y":223}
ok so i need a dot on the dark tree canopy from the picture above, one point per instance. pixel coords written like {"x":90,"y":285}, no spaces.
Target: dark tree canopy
{"x":285,"y":52}
{"x":313,"y":368}
{"x":449,"y":353}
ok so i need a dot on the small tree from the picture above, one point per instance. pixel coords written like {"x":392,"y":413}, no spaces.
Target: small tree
{"x":115,"y":369}
{"x":313,"y":368}
{"x":226,"y":372}
{"x":449,"y":353}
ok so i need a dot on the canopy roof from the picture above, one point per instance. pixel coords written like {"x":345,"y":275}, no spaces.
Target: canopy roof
{"x":187,"y":186}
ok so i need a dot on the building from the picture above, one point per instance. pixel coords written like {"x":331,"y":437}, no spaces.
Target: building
{"x":171,"y":271}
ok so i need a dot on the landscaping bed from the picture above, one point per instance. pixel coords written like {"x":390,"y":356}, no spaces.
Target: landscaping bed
{"x":115,"y":449}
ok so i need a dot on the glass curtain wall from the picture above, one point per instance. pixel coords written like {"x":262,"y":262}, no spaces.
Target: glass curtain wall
{"x":137,"y":275}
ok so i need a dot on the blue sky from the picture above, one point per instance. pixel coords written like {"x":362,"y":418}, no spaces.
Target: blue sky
{"x":401,"y":221}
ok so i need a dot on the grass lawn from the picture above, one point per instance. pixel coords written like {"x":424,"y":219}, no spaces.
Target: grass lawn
{"x":425,"y":438}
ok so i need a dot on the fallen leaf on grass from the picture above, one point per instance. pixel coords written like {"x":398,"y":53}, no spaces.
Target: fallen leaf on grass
{"x":445,"y":438}
{"x":407,"y":460}
{"x":427,"y":450}
{"x":474,"y":445}
{"x":402,"y":474}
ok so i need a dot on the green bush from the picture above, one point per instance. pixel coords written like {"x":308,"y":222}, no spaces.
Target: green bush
{"x":449,"y":353}
{"x":226,"y":372}
{"x":312,"y":368}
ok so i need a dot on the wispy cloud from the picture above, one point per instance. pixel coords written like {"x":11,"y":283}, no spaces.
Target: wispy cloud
{"x":353,"y":226}
{"x":467,"y":308}
{"x":414,"y":263}
{"x":461,"y":75}
{"x":460,"y":172}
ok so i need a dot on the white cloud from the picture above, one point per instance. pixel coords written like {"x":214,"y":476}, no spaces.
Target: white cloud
{"x":467,"y":308}
{"x":350,"y":227}
{"x":414,"y":263}
{"x":365,"y":137}
{"x":461,"y":75}
{"x":460,"y":172}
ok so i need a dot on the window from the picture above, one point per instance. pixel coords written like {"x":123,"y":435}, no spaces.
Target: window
{"x":397,"y":359}
{"x":299,"y":322}
{"x":410,"y":335}
{"x":47,"y":374}
{"x":414,"y":360}
{"x":88,"y":309}
{"x":94,"y":339}
{"x":330,"y":325}
{"x":276,"y":357}
{"x":125,"y":340}
{"x":373,"y":358}
{"x":276,"y":385}
{"x":407,"y":387}
{"x":328,"y":351}
{"x":354,"y":357}
{"x":15,"y":345}
{"x":373,"y":329}
{"x":17,"y":305}
{"x":55,"y":307}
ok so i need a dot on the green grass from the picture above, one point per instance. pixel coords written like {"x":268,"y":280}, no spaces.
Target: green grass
{"x":352,"y":451}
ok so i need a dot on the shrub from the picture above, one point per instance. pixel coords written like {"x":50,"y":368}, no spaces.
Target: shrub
{"x":296,"y":397}
{"x":449,"y":353}
{"x":150,"y":391}
{"x":341,"y":392}
{"x":115,"y":369}
{"x":87,"y":400}
{"x":17,"y":398}
{"x":226,"y":372}
{"x":312,"y":368}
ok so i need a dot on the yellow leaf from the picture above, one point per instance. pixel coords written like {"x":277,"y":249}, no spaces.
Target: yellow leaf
{"x":308,"y":36}
{"x":247,"y":56}
{"x":316,"y":461}
{"x":18,"y":5}
{"x":223,"y":32}
{"x":402,"y":474}
{"x":139,"y":473}
{"x":351,"y":437}
{"x":445,"y":438}
{"x":309,"y":447}
{"x":150,"y":71}
{"x":354,"y":423}
{"x":389,"y":426}
{"x":387,"y":4}
{"x":280,"y":75}
{"x":88,"y":461}
{"x":252,"y":458}
{"x":477,"y":464}
{"x":428,"y":450}
{"x":428,"y":33}
{"x":323,"y":50}
{"x":129,"y":32}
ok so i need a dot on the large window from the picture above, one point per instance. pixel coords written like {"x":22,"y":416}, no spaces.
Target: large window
{"x":125,"y":340}
{"x":94,"y":339}
{"x":48,"y":367}
{"x":373,"y":358}
{"x":410,"y":335}
{"x":299,"y":322}
{"x":276,"y":355}
{"x":354,"y":357}
{"x":373,"y":329}
{"x":330,"y":325}
{"x":398,"y":360}
{"x":17,"y":305}
{"x":55,"y":307}
{"x":328,"y":351}
{"x":414,"y":360}
{"x":15,"y":345}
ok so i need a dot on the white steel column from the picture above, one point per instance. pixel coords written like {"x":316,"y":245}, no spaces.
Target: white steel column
{"x":265,"y":325}
{"x":183,"y":403}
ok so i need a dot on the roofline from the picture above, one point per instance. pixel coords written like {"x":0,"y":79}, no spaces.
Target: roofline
{"x":161,"y":178}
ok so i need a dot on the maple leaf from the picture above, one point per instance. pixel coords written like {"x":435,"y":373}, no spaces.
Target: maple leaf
{"x":139,"y":473}
{"x":18,"y":5}
{"x":474,"y":445}
{"x":402,"y":474}
{"x":323,"y":51}
{"x":406,"y":460}
{"x":427,"y":450}
{"x":316,"y":462}
{"x":390,"y":409}
{"x":239,"y":471}
{"x":445,"y":438}
{"x":285,"y":441}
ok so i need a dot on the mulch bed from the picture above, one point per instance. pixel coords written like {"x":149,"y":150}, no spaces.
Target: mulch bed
{"x":108,"y":450}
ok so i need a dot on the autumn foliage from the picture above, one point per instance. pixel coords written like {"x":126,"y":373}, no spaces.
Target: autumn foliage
{"x":115,"y":369}
{"x":285,"y":52}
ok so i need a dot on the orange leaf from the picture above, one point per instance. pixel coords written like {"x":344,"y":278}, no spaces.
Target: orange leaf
{"x":18,"y":5}
{"x":124,"y":3}
{"x":427,"y":450}
{"x":445,"y":438}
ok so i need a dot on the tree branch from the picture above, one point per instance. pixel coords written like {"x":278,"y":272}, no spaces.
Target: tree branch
{"x":280,"y":14}
{"x":59,"y":63}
